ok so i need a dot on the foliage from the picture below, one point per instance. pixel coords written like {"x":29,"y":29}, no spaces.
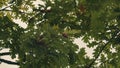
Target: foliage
{"x":47,"y":41}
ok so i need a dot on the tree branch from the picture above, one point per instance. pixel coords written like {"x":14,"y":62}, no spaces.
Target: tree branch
{"x":6,"y":7}
{"x":5,"y":53}
{"x":113,"y":37}
{"x":89,"y":66}
{"x":12,"y":11}
{"x":9,"y":62}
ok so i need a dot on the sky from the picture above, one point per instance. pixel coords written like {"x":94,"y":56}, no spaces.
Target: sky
{"x":77,"y":41}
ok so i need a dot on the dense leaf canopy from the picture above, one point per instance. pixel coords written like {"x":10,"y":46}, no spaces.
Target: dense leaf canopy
{"x":52,"y":26}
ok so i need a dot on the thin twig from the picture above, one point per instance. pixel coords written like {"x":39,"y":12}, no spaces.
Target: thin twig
{"x":89,"y":66}
{"x":6,"y":7}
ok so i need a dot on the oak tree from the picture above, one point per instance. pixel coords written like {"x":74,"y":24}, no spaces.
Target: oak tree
{"x":53,"y":25}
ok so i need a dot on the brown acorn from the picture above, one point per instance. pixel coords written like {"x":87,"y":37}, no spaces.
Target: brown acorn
{"x":65,"y":35}
{"x":82,"y":8}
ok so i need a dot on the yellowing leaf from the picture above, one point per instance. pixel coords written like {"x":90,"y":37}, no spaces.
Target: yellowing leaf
{"x":9,"y":15}
{"x":55,"y":27}
{"x":73,"y":31}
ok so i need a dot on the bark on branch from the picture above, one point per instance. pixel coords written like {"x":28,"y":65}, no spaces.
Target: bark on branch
{"x":110,"y":40}
{"x":90,"y":65}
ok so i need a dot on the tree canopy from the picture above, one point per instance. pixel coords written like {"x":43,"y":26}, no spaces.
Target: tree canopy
{"x":47,"y":41}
